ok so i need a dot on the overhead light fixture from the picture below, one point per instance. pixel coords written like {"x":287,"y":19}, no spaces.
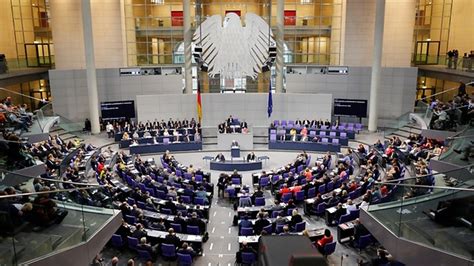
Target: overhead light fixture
{"x":303,"y":2}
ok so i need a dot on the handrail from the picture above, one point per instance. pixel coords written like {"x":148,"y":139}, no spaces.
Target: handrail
{"x":46,"y":192}
{"x":427,"y":175}
{"x":438,"y":93}
{"x":426,"y":186}
{"x":52,"y":180}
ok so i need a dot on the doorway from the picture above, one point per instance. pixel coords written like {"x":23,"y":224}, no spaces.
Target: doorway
{"x":38,"y":55}
{"x":427,"y":52}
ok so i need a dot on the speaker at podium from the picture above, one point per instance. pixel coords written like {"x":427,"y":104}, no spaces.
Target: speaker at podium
{"x":235,"y":149}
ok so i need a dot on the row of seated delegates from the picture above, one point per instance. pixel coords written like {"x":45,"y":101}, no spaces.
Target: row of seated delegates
{"x":156,"y":126}
{"x":40,"y":210}
{"x":16,"y":115}
{"x":232,"y":125}
{"x":137,"y":230}
{"x":177,"y":135}
{"x":169,"y":182}
{"x":302,"y":136}
{"x":306,"y":123}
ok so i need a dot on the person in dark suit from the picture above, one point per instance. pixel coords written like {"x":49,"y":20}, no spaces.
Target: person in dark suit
{"x":257,"y":194}
{"x":260,"y":224}
{"x":195,"y":221}
{"x":295,"y":218}
{"x":359,"y":230}
{"x":243,"y":124}
{"x":220,"y":158}
{"x":230,"y":120}
{"x":139,"y":232}
{"x":171,"y":238}
{"x":178,"y":219}
{"x":186,"y":249}
{"x":234,"y":144}
{"x":251,"y":157}
{"x":244,"y":249}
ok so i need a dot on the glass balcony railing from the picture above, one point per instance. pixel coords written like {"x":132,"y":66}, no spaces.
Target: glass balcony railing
{"x":439,"y":217}
{"x":36,"y":224}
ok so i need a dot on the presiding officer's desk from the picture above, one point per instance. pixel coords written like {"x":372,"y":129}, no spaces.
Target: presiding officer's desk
{"x":308,"y":146}
{"x":237,"y":164}
{"x":245,"y":140}
{"x":160,"y":147}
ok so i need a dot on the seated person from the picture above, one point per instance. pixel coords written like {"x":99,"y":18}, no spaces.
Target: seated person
{"x":293,"y":136}
{"x":186,"y":249}
{"x":304,"y":134}
{"x":327,"y":238}
{"x":143,"y":245}
{"x":245,"y":201}
{"x":171,"y":238}
{"x":245,"y":223}
{"x":251,"y":157}
{"x":220,"y":158}
{"x":359,"y":230}
{"x":260,"y":223}
{"x":295,"y":218}
{"x":286,"y":231}
{"x":125,"y":136}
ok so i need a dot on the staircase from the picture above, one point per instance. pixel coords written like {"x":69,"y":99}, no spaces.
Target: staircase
{"x":405,"y":131}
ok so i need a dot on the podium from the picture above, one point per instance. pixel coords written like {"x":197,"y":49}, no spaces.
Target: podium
{"x":235,"y":152}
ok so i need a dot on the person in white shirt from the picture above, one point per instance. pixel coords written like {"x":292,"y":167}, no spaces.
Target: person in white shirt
{"x":350,"y":206}
{"x":110,"y":130}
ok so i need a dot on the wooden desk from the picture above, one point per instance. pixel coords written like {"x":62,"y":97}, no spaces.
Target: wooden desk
{"x":345,"y":230}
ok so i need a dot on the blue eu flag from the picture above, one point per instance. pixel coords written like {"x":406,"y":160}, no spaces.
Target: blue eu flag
{"x":270,"y":100}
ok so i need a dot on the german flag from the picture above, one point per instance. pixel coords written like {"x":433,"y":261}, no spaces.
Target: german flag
{"x":199,"y":105}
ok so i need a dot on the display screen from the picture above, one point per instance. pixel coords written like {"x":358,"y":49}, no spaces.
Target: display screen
{"x":350,"y":107}
{"x":117,"y":110}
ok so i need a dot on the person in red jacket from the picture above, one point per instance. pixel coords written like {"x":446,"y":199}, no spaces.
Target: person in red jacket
{"x":327,"y":238}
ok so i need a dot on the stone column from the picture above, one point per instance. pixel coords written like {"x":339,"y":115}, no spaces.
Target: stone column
{"x":90,"y":67}
{"x":188,"y":77}
{"x":376,"y":63}
{"x":279,"y":43}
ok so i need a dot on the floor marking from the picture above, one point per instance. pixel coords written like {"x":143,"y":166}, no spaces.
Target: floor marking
{"x":230,"y":229}
{"x":209,"y":264}
{"x":203,"y":254}
{"x":222,"y":237}
{"x":228,"y":246}
{"x":220,"y":255}
{"x":222,"y":222}
{"x":228,"y":264}
{"x":215,"y":212}
{"x":213,"y":229}
{"x":230,"y":213}
{"x":212,"y":245}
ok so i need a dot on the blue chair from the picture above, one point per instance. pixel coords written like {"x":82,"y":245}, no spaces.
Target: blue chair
{"x":246,"y":231}
{"x":141,"y":205}
{"x":192,"y":230}
{"x":322,"y":189}
{"x":130,"y":201}
{"x":264,"y":182}
{"x":260,"y":201}
{"x":299,"y":197}
{"x":117,"y":241}
{"x":279,"y":228}
{"x":276,"y":213}
{"x":130,"y":219}
{"x":289,"y":212}
{"x":268,"y":229}
{"x":300,"y":227}
{"x":198,"y":178}
{"x":168,"y":251}
{"x":286,"y":197}
{"x":329,"y":186}
{"x":186,"y":199}
{"x":144,"y":255}
{"x":199,"y":201}
{"x":364,"y":241}
{"x":132,"y":242}
{"x":312,"y":192}
{"x":355,"y":214}
{"x":320,"y":209}
{"x":188,"y":176}
{"x":248,"y":258}
{"x":185,"y":259}
{"x":177,"y":227}
{"x":329,"y":248}
{"x":231,"y":193}
{"x":345,"y":218}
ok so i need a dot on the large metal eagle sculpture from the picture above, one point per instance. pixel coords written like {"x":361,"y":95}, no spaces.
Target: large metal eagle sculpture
{"x":232,"y":50}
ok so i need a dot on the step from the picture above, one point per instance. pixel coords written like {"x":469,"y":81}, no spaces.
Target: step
{"x":209,"y":141}
{"x":401,"y":134}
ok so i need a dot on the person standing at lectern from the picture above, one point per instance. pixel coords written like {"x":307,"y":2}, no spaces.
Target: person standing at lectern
{"x":243,"y":124}
{"x":230,"y":120}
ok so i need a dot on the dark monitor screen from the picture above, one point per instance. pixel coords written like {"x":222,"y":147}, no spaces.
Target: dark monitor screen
{"x":350,"y":107}
{"x":117,"y":110}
